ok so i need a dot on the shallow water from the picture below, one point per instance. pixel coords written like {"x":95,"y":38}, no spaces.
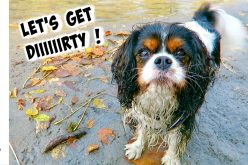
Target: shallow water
{"x":106,"y":10}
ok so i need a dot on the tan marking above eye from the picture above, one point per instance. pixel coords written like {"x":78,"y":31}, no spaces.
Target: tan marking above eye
{"x":151,"y":43}
{"x":174,"y":43}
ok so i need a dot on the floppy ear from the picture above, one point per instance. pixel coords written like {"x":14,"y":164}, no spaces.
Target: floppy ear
{"x":124,"y":70}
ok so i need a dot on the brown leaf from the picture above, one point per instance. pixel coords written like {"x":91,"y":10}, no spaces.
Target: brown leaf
{"x":98,"y":52}
{"x":122,"y":34}
{"x":71,"y":140}
{"x":104,"y":133}
{"x":13,"y":93}
{"x":92,"y":147}
{"x":77,"y":59}
{"x":107,"y":33}
{"x":61,"y":73}
{"x":60,"y":93}
{"x":74,"y":100}
{"x":90,"y":123}
{"x":43,"y":125}
{"x":151,"y":156}
{"x":44,"y":103}
{"x":21,"y":104}
{"x":71,"y":69}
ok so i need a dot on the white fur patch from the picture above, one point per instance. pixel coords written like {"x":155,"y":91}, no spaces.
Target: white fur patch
{"x":205,"y":36}
{"x":175,"y":73}
{"x":231,"y":29}
{"x":171,"y":157}
{"x":134,"y":150}
{"x":153,"y":111}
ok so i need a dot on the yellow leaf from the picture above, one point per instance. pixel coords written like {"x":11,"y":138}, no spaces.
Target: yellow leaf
{"x":32,"y":112}
{"x":92,"y":147}
{"x":48,"y":68}
{"x":88,"y":50}
{"x":41,"y":117}
{"x":13,"y":93}
{"x":37,"y":91}
{"x":98,"y":103}
{"x":90,"y":123}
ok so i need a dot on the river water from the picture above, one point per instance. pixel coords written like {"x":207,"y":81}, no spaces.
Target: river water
{"x":106,"y":10}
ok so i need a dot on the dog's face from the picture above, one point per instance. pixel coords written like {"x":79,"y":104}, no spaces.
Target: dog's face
{"x":168,"y":55}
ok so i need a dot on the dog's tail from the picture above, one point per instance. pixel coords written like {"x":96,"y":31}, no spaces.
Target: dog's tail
{"x":231,"y":29}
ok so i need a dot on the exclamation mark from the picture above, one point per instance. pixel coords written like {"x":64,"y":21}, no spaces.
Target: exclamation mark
{"x":98,"y":36}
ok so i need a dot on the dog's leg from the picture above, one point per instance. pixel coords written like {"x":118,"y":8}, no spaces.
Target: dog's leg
{"x":171,"y":156}
{"x":134,"y":150}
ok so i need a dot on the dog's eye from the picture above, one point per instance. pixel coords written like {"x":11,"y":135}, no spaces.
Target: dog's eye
{"x":180,"y":52}
{"x":144,"y":53}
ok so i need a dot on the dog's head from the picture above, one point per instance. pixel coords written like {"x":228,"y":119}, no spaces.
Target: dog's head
{"x":162,"y":54}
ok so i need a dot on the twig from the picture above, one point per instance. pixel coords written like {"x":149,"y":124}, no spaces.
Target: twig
{"x":12,"y":149}
{"x":35,"y":71}
{"x":42,"y":78}
{"x":69,"y":115}
{"x":60,"y":139}
{"x":82,"y":116}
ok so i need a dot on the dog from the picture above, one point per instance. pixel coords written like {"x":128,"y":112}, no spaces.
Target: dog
{"x":163,"y":71}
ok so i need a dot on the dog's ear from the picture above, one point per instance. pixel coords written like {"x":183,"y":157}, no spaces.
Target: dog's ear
{"x":124,"y":70}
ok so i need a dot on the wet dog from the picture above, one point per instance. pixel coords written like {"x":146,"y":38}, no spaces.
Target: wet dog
{"x":163,"y":71}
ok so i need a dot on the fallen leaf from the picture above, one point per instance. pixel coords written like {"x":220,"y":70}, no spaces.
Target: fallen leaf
{"x":98,"y":103}
{"x":13,"y":93}
{"x":20,"y":104}
{"x":71,"y":140}
{"x":150,"y":156}
{"x":48,"y":68}
{"x":92,"y":147}
{"x":107,"y":33}
{"x":98,"y":51}
{"x":70,"y":68}
{"x":88,"y":50}
{"x":41,"y":117}
{"x":77,"y":59}
{"x":37,"y":91}
{"x":122,"y":34}
{"x":43,"y":125}
{"x":60,"y":93}
{"x":61,"y":73}
{"x":74,"y":100}
{"x":32,"y":112}
{"x":104,"y":133}
{"x":45,"y":103}
{"x":71,"y":127}
{"x":90,"y":123}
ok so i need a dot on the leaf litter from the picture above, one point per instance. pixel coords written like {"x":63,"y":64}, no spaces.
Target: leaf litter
{"x":53,"y":70}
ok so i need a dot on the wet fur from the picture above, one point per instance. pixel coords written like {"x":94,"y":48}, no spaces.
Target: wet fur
{"x":174,"y":106}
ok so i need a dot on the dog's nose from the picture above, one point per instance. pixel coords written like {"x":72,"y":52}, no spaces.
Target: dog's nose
{"x":163,"y":62}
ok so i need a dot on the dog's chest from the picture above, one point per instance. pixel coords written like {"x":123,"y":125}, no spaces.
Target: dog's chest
{"x":154,"y":108}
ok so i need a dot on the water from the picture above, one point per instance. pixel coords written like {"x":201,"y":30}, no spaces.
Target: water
{"x":106,"y":10}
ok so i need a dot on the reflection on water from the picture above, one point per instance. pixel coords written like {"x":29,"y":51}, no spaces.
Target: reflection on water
{"x":106,"y":10}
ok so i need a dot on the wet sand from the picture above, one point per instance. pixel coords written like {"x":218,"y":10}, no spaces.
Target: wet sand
{"x":221,"y":136}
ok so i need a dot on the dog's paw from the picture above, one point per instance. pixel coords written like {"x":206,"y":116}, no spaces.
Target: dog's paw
{"x":170,"y":160}
{"x":133,"y":150}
